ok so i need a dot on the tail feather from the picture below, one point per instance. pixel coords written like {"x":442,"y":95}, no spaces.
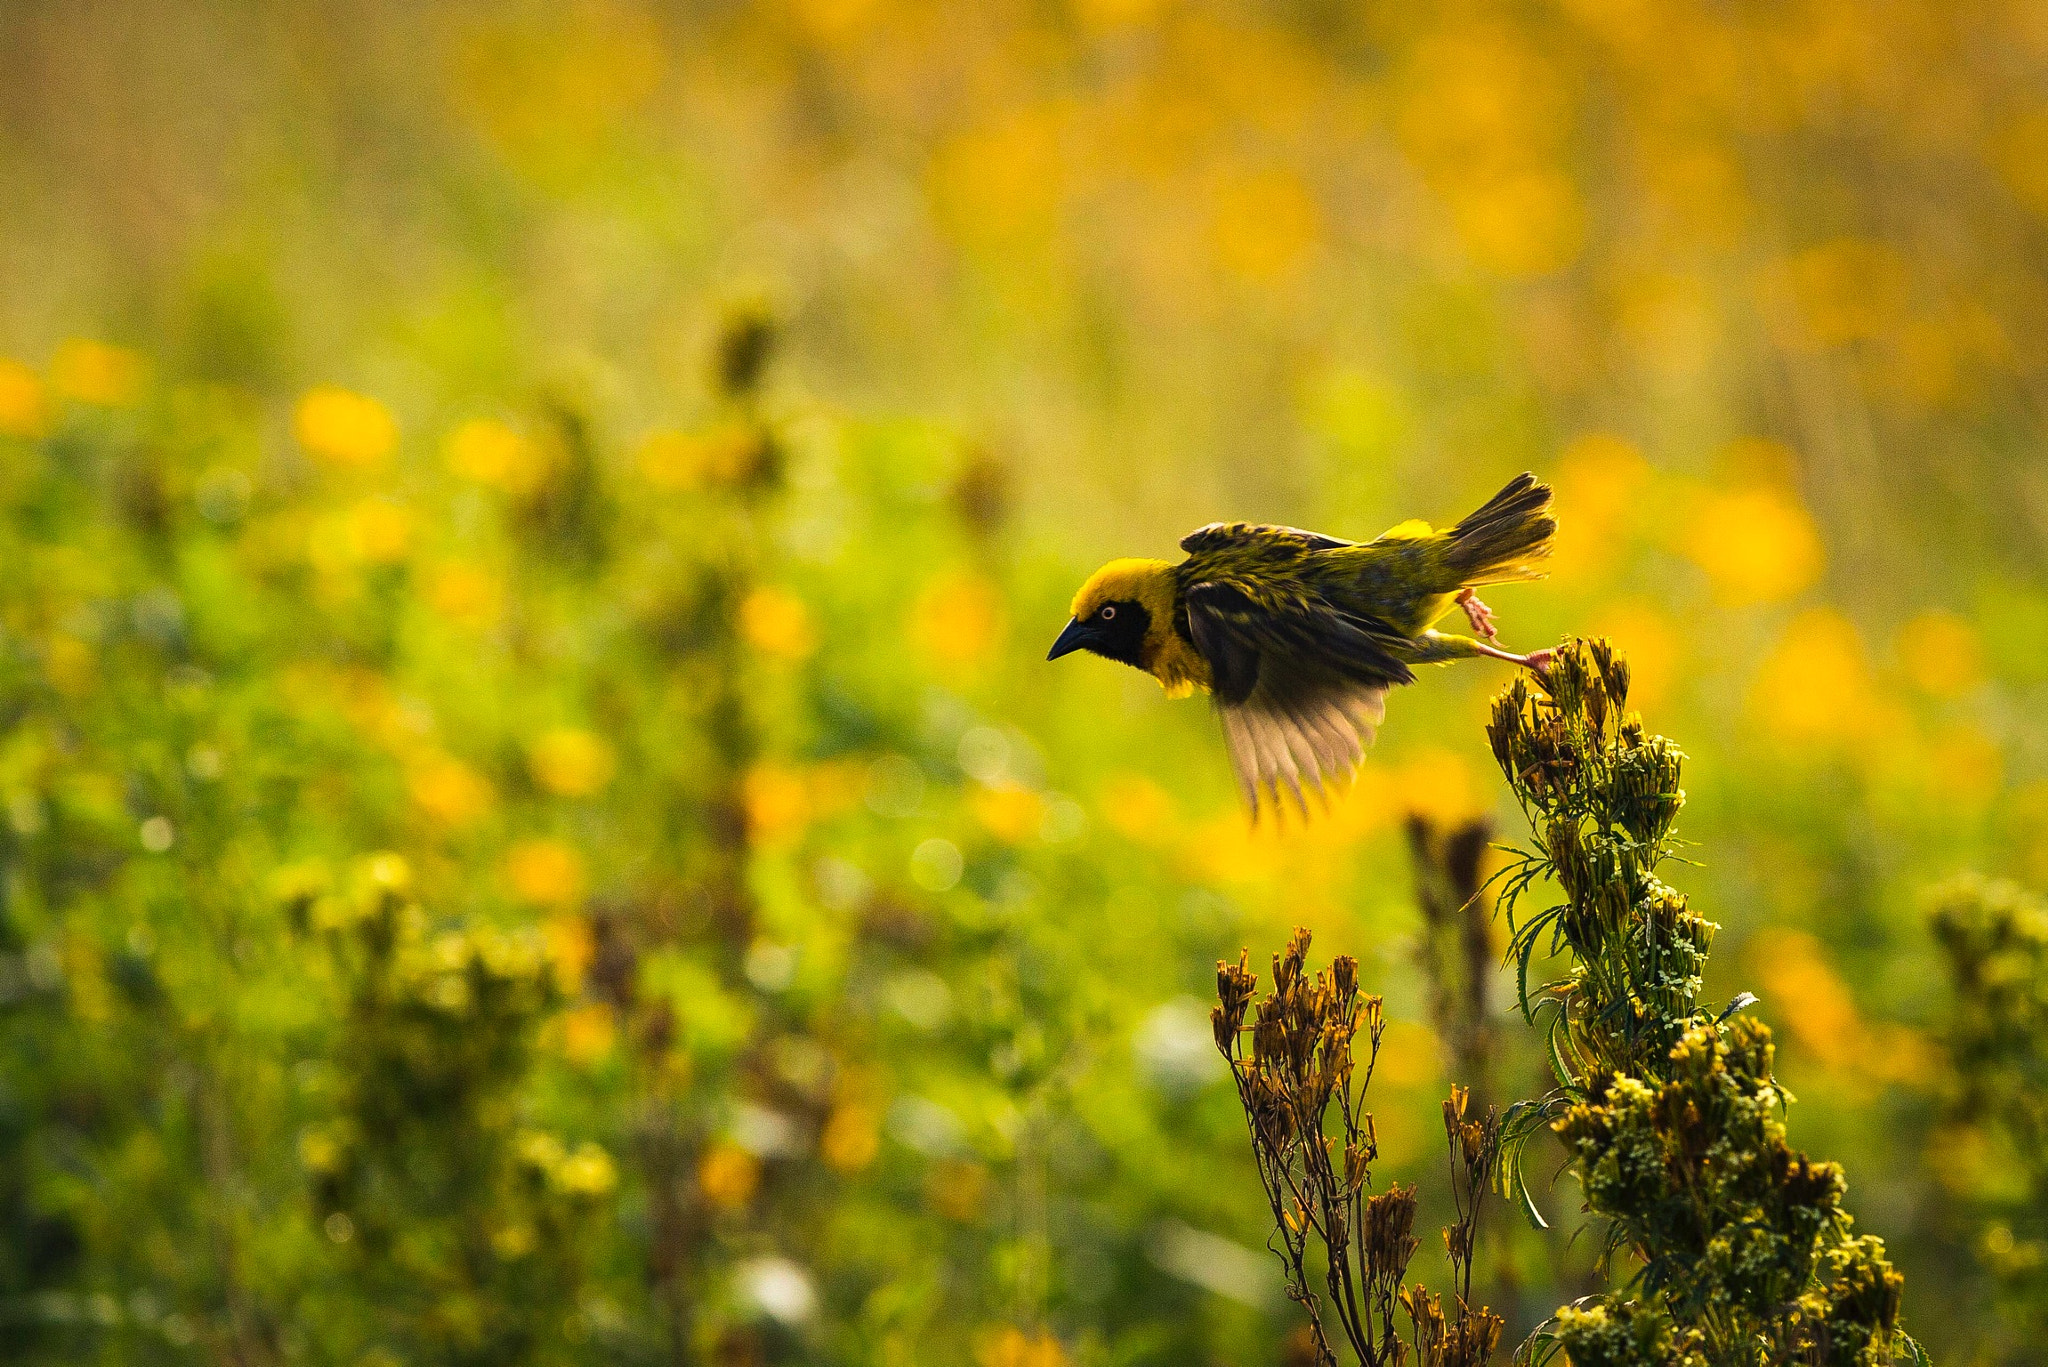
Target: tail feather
{"x":1507,"y":538}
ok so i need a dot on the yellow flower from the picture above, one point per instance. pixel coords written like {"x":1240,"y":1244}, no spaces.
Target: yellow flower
{"x":514,"y":1241}
{"x":1810,"y":996}
{"x":721,"y":457}
{"x":96,"y":373}
{"x":24,"y":411}
{"x":1940,"y":653}
{"x":466,"y":595}
{"x":547,"y":872}
{"x":570,"y":945}
{"x":728,"y":1176}
{"x":450,"y":792}
{"x":1817,"y":685}
{"x":570,"y":762}
{"x":778,"y":803}
{"x":489,"y":452}
{"x":836,"y":23}
{"x":587,"y":1172}
{"x":957,"y":621}
{"x":588,"y":1032}
{"x":341,"y":427}
{"x":776,"y":622}
{"x":1001,"y":184}
{"x":379,"y":531}
{"x":319,"y":1150}
{"x":852,"y":1137}
{"x":1757,"y":545}
{"x":1010,"y":812}
{"x":1138,"y":808}
{"x":1012,"y":1347}
{"x":539,"y":1150}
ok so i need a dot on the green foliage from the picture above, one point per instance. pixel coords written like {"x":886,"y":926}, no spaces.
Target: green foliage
{"x":461,"y":1232}
{"x":1994,"y":936}
{"x":1669,"y":1114}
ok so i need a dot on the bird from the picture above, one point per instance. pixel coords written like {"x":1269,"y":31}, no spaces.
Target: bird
{"x":1299,"y":636}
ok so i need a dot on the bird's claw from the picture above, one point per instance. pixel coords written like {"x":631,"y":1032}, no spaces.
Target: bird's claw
{"x":1478,"y":614}
{"x":1538,"y":661}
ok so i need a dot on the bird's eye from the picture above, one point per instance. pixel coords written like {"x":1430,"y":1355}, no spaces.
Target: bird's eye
{"x":1108,"y":612}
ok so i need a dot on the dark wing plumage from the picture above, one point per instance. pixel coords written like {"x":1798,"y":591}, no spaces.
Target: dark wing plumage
{"x":1300,"y":684}
{"x":1218,"y":536}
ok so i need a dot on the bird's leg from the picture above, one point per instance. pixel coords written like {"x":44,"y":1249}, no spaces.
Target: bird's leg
{"x":1538,"y":660}
{"x":1478,"y":614}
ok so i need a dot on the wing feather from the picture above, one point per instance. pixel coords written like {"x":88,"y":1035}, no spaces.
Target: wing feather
{"x":1216,"y":535}
{"x":1299,"y":737}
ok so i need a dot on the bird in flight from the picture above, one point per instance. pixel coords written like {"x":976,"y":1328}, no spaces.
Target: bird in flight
{"x":1300,"y":635}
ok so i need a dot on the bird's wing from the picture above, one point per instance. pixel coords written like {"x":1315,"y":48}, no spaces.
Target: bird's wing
{"x":1300,"y":736}
{"x":1221,"y":535}
{"x":1300,"y":685}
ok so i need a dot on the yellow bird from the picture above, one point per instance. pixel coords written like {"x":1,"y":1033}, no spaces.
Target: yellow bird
{"x":1300,"y":635}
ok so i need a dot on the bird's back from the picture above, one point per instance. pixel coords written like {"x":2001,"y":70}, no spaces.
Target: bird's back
{"x":1399,"y":581}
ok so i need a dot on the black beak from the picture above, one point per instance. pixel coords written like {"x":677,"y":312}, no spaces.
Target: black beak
{"x":1072,"y":639}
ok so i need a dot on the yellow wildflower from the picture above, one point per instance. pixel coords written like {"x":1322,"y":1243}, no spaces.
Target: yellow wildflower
{"x":1010,"y":812}
{"x":571,"y":762}
{"x":24,"y":410}
{"x":776,"y":622}
{"x":1267,"y":225}
{"x":450,"y":792}
{"x":547,"y":872}
{"x":466,"y":595}
{"x":728,"y":1176}
{"x":489,"y":452}
{"x":1137,"y":808}
{"x":852,"y":1137}
{"x":1757,"y":545}
{"x":1817,"y":684}
{"x":588,"y":1032}
{"x":1012,"y":1347}
{"x":570,"y":945}
{"x":957,"y":621}
{"x":379,"y":531}
{"x":587,"y":1172}
{"x":777,"y":801}
{"x":96,"y":373}
{"x":341,"y":427}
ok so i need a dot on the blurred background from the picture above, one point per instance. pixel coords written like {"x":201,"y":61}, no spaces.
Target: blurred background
{"x":537,"y":828}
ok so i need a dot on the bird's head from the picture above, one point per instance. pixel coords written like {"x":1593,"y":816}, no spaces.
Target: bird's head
{"x":1124,"y":613}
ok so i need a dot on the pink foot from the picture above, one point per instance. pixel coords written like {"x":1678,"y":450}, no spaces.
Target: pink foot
{"x":1478,"y":614}
{"x":1539,"y":660}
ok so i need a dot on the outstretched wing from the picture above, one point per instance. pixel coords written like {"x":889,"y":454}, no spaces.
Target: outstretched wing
{"x":1300,"y":684}
{"x":1300,"y":736}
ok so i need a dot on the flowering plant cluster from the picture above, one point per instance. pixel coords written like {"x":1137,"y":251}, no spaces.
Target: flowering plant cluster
{"x":1315,"y":1164}
{"x":1668,"y":1111}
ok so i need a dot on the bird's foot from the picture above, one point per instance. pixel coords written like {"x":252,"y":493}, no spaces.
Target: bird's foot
{"x":1538,"y":661}
{"x":1478,"y":614}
